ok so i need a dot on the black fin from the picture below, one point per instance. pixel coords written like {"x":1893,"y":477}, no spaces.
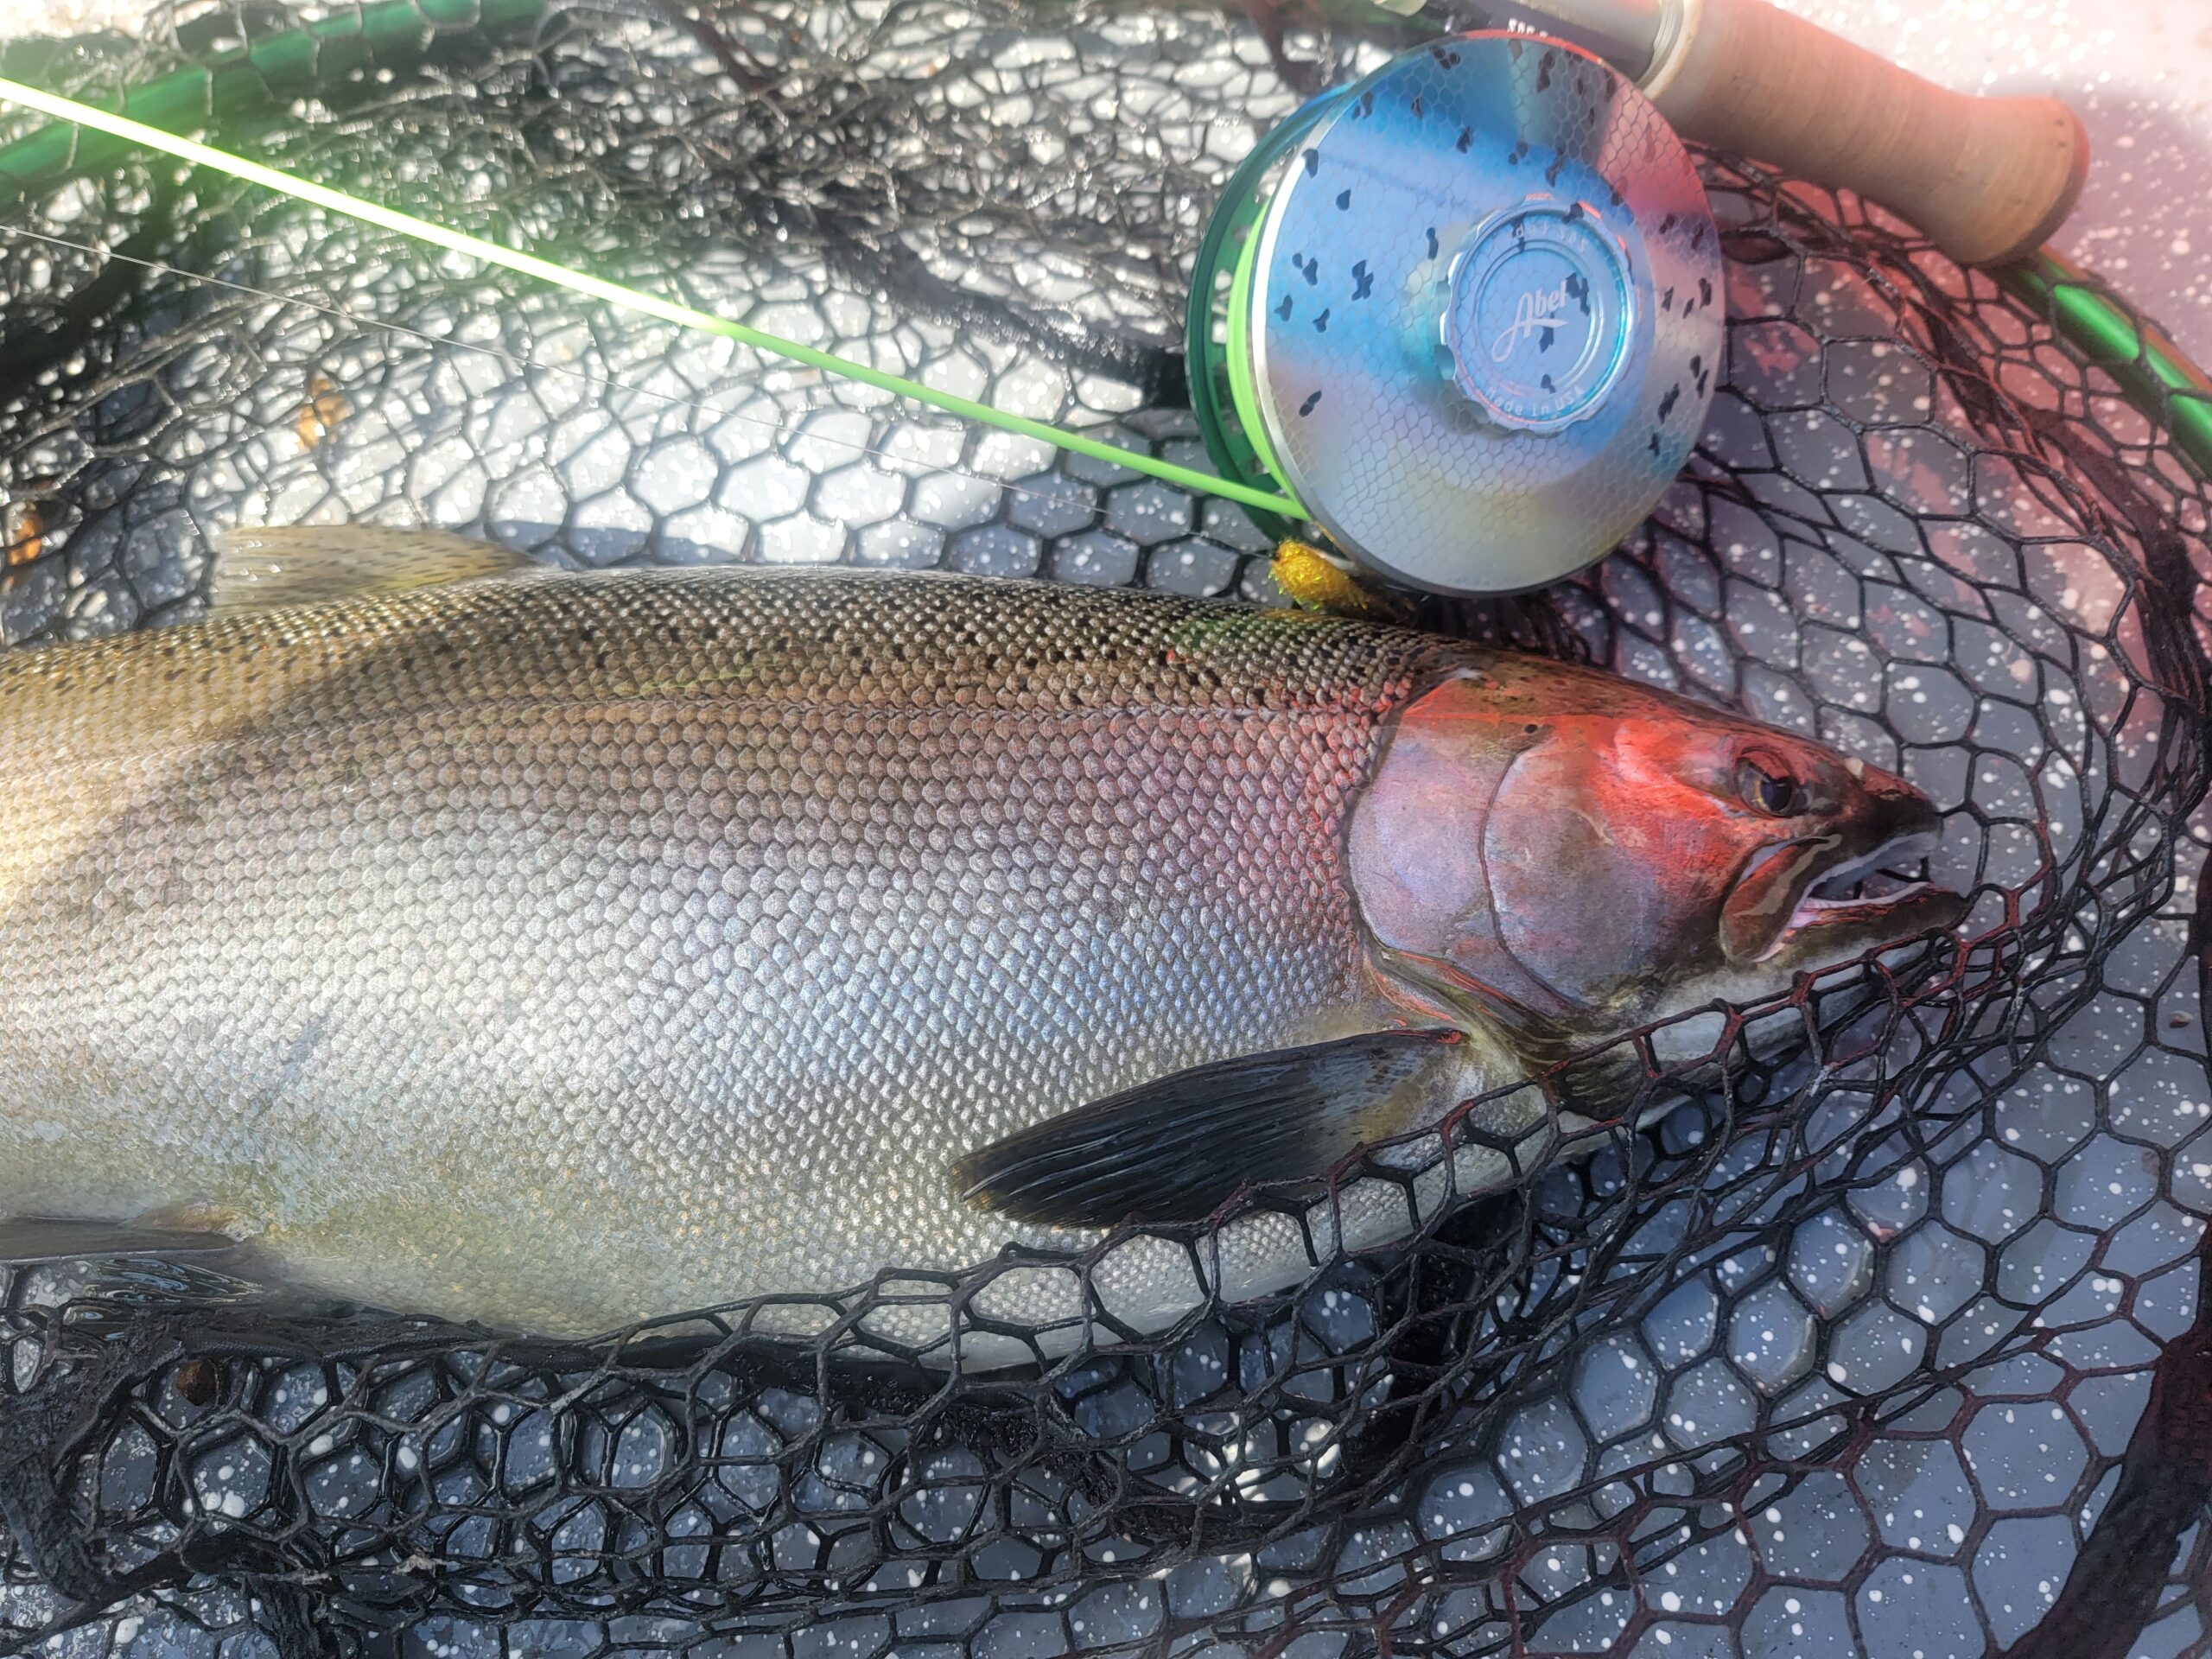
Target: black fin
{"x":1175,"y":1149}
{"x":1601,"y":1084}
{"x":133,"y":1266}
{"x":27,"y":1243}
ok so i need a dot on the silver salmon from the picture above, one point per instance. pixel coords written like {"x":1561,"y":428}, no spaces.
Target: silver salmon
{"x":559,"y":950}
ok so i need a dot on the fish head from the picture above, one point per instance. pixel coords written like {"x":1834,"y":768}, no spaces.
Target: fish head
{"x":1568,"y":843}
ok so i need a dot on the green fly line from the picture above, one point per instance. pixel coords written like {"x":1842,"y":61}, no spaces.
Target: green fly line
{"x":629,"y":299}
{"x":2159,"y":378}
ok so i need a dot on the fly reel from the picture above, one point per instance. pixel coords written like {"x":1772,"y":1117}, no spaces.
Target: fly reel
{"x":1467,"y":312}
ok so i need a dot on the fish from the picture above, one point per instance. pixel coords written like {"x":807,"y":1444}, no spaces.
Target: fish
{"x":556,"y":950}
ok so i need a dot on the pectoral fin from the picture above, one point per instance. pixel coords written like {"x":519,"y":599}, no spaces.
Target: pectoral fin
{"x":1174,"y":1150}
{"x":266,"y":567}
{"x":1602,"y":1083}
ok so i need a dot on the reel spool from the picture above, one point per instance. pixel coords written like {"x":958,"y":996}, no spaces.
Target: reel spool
{"x":1467,"y":312}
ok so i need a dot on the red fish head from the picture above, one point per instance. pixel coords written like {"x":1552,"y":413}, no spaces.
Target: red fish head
{"x":1604,"y":853}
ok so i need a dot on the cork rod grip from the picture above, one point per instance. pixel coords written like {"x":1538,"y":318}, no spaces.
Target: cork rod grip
{"x":1988,"y":179}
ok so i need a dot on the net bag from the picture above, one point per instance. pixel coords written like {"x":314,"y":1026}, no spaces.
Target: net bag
{"x":1887,"y":1343}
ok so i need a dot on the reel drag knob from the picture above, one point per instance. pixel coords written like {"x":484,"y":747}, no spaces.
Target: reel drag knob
{"x":1539,"y":310}
{"x":1468,"y":311}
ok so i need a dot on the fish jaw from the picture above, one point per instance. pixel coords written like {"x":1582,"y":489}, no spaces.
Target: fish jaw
{"x":1830,"y":898}
{"x":1873,"y":900}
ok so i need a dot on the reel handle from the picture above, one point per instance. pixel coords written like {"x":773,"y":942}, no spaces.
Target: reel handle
{"x":1988,"y":179}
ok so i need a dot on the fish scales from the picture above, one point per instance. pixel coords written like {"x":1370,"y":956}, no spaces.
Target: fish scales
{"x":560,"y":952}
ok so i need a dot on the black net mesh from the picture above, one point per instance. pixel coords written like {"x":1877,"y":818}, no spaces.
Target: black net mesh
{"x":1890,"y":1345}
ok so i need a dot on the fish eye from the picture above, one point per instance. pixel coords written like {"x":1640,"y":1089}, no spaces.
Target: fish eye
{"x":1767,"y":789}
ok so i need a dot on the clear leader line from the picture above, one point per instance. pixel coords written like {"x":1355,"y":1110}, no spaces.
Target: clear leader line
{"x":628,"y":299}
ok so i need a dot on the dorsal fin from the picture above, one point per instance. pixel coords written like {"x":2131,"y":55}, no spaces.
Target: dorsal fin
{"x":264,"y":569}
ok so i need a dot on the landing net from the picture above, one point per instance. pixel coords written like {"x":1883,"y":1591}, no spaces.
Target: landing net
{"x":1890,"y":1345}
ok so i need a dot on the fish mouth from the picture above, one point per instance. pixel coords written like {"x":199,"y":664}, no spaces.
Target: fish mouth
{"x":1877,"y":896}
